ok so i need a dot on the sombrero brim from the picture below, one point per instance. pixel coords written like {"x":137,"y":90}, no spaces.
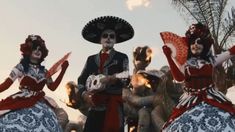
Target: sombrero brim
{"x":93,"y":29}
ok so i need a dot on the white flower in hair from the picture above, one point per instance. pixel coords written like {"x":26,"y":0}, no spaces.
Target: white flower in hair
{"x":192,"y":29}
{"x":33,"y":37}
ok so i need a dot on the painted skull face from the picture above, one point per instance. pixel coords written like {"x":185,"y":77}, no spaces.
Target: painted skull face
{"x":196,"y":47}
{"x":108,"y":39}
{"x":36,"y":54}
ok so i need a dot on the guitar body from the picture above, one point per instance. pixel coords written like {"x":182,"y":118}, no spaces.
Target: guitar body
{"x":93,"y":83}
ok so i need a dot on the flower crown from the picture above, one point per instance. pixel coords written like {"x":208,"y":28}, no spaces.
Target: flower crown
{"x":27,"y":47}
{"x":201,"y":31}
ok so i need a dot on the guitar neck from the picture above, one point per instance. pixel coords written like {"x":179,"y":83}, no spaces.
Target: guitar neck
{"x":122,"y":75}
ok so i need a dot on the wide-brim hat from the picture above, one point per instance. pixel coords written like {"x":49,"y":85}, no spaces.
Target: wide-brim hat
{"x":93,"y":29}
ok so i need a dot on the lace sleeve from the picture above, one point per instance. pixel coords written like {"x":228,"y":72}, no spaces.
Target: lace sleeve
{"x":49,"y":80}
{"x":16,"y":72}
{"x":219,"y":59}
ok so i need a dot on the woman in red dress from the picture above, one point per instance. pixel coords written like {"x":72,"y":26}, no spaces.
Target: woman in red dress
{"x":28,"y":109}
{"x":201,"y":107}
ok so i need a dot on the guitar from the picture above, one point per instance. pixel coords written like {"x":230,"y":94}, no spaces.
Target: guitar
{"x":93,"y":81}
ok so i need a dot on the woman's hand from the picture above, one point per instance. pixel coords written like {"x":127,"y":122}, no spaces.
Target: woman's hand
{"x":65,"y":65}
{"x":167,"y":51}
{"x":177,"y":74}
{"x":55,"y":84}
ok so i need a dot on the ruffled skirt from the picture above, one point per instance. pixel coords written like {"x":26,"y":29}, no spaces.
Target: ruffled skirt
{"x":203,"y":118}
{"x":39,"y":118}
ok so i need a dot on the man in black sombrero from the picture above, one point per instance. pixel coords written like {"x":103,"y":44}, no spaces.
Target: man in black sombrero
{"x":105,"y":112}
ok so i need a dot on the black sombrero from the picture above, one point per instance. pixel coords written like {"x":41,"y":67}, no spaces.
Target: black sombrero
{"x":93,"y":29}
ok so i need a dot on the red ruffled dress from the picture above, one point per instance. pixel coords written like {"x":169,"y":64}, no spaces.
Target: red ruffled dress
{"x":28,"y":109}
{"x":202,"y":107}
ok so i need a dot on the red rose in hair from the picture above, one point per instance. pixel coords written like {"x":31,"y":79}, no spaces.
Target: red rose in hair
{"x":26,"y":48}
{"x":199,"y":31}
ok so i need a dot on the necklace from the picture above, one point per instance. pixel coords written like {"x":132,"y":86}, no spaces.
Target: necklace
{"x":33,"y":65}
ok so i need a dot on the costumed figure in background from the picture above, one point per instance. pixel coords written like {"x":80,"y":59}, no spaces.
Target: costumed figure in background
{"x":61,"y":114}
{"x":142,"y":57}
{"x":166,"y":97}
{"x":74,"y":101}
{"x":138,"y":96}
{"x":139,"y":99}
{"x":201,"y":107}
{"x":104,"y":75}
{"x":29,"y":109}
{"x":164,"y":94}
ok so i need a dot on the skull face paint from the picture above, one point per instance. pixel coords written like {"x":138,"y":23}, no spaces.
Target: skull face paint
{"x":108,"y":39}
{"x":196,"y":47}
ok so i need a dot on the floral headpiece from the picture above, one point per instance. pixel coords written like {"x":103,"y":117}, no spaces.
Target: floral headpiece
{"x":27,"y":47}
{"x":201,"y":31}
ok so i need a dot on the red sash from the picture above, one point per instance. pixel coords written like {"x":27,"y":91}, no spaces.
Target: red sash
{"x":113,"y":102}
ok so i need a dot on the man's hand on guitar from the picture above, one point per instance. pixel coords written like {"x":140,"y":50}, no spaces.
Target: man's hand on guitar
{"x":108,"y":80}
{"x":87,"y":97}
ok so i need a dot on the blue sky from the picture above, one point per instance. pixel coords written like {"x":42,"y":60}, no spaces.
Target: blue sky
{"x":59,"y":22}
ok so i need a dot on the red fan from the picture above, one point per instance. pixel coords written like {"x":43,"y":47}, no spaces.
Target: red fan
{"x":57,"y":66}
{"x":178,"y":46}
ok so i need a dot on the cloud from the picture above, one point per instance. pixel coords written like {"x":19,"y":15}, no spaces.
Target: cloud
{"x":131,"y":4}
